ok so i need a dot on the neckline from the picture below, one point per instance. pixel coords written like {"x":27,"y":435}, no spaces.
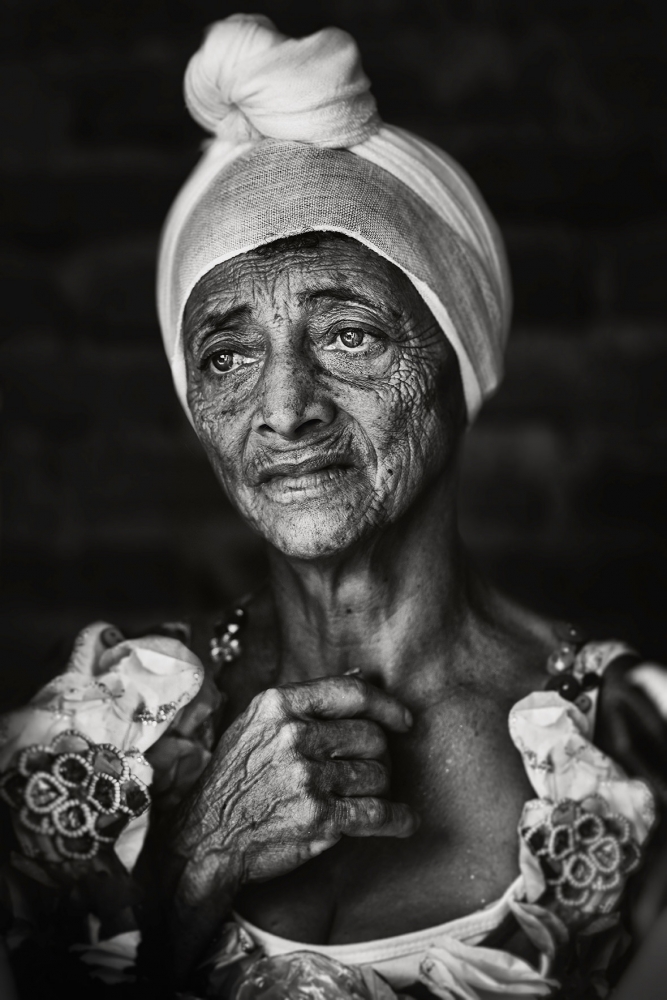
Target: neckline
{"x":472,"y":925}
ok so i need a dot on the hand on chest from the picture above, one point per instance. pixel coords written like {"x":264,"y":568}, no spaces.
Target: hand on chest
{"x":460,"y":771}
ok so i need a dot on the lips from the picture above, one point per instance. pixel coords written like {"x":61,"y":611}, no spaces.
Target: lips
{"x":305,"y":467}
{"x":305,"y":476}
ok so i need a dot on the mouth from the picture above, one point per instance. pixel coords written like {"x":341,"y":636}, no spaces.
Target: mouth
{"x":306,"y":479}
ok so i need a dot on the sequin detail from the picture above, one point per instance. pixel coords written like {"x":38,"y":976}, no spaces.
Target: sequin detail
{"x":226,"y":643}
{"x":78,"y":793}
{"x":586,"y":853}
{"x":567,"y":676}
{"x":162,"y":714}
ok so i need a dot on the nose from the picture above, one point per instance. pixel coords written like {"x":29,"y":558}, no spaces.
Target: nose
{"x":293,"y":401}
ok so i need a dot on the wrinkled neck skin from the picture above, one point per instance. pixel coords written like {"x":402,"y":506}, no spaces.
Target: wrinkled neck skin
{"x":396,"y":602}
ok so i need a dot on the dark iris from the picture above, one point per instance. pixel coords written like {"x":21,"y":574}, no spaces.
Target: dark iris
{"x":222,"y":361}
{"x":352,"y":338}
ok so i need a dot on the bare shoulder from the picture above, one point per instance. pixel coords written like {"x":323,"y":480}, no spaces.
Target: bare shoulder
{"x":508,"y":646}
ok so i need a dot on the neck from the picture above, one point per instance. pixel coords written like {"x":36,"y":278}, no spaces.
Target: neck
{"x":384,"y":607}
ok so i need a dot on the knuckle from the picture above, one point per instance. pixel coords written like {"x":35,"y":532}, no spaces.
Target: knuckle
{"x":290,"y":734}
{"x":302,"y":774}
{"x":321,"y":692}
{"x":271,"y":702}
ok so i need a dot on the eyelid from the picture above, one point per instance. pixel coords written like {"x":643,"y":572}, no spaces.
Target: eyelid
{"x":222,"y":340}
{"x":219,"y":341}
{"x":228,"y":334}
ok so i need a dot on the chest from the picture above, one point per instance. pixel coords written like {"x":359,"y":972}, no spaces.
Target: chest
{"x":459,"y":770}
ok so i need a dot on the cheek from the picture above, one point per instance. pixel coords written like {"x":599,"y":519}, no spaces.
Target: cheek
{"x":221,"y":427}
{"x":404,"y":418}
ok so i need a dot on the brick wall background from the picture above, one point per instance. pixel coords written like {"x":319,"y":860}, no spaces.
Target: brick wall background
{"x":558,"y":111}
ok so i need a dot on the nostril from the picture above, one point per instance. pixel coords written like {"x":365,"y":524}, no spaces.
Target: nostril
{"x":306,"y":426}
{"x":297,"y":432}
{"x":291,"y":412}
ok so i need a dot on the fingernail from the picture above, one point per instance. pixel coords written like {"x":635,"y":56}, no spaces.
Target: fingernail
{"x":354,"y":672}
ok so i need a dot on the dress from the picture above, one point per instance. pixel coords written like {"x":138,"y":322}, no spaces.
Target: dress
{"x":579,"y":839}
{"x":590,"y":819}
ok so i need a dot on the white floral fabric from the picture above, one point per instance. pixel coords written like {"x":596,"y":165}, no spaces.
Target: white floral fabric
{"x":106,"y":693}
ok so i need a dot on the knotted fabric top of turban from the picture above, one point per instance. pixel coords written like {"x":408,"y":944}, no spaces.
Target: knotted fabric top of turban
{"x":298,"y":146}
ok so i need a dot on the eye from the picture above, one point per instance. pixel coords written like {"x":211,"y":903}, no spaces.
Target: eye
{"x":352,"y":339}
{"x":223,"y":362}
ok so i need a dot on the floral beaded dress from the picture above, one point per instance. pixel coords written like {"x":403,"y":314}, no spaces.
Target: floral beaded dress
{"x":132,"y":724}
{"x":579,"y":840}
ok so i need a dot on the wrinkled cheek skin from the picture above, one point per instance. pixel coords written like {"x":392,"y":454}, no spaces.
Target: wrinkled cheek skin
{"x":303,"y":528}
{"x":216,"y":423}
{"x":412,"y":434}
{"x":401,"y":433}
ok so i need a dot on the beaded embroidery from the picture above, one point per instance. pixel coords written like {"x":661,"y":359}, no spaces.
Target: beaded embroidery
{"x":581,"y":838}
{"x":565,"y":677}
{"x":586,"y":853}
{"x":226,"y":644}
{"x":148,"y":718}
{"x":77,"y":793}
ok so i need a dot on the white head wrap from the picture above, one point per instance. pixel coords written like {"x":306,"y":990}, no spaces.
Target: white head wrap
{"x":297,"y":147}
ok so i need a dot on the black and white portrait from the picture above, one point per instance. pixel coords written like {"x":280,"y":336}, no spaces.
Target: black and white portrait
{"x":334,"y":468}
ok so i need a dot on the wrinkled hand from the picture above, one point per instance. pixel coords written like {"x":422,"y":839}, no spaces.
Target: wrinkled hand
{"x":304,"y":765}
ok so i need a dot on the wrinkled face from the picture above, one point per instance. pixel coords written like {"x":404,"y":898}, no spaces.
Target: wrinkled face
{"x":322,"y":389}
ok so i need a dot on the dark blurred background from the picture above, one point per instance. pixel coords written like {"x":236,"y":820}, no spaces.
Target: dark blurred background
{"x":559,"y":112}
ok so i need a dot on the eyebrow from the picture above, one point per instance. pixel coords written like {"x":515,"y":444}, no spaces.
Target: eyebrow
{"x":343,"y":295}
{"x":197,"y":330}
{"x":221,"y":318}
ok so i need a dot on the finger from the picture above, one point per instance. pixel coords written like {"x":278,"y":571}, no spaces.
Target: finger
{"x":374,"y":817}
{"x":344,"y":698}
{"x":350,"y":778}
{"x":342,"y":738}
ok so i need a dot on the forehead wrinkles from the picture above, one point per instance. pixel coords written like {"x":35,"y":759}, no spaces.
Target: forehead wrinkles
{"x":252,"y":281}
{"x":347,"y":264}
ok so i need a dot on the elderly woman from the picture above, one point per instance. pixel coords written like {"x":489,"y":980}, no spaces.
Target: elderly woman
{"x":346,"y":812}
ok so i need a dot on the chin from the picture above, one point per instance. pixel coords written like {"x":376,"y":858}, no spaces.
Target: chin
{"x":305,"y":533}
{"x":322,"y":519}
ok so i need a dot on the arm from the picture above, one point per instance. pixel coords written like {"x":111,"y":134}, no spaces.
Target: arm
{"x":304,"y":765}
